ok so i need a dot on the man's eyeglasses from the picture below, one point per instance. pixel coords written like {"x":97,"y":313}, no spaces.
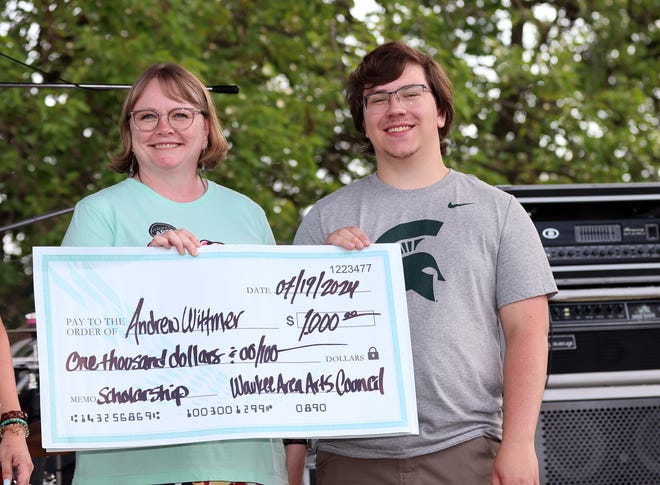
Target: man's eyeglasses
{"x":379,"y":101}
{"x":180,"y":119}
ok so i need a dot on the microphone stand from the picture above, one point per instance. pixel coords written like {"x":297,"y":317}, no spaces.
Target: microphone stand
{"x":216,"y":88}
{"x":48,"y":215}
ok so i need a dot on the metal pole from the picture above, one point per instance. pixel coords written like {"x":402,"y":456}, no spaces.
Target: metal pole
{"x":218,"y":88}
{"x":34,"y":219}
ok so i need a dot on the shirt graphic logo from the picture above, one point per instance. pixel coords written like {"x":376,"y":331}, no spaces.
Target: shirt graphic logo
{"x":160,"y":227}
{"x":417,"y":266}
{"x":452,"y":205}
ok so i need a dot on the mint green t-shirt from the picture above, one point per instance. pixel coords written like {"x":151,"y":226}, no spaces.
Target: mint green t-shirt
{"x":130,"y":214}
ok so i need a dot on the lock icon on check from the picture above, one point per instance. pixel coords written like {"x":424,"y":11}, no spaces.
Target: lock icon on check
{"x":372,"y":354}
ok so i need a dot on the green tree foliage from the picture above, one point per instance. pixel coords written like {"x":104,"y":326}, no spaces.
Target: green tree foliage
{"x":546,"y":92}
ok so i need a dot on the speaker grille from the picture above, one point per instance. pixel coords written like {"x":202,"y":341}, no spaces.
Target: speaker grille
{"x":599,"y":442}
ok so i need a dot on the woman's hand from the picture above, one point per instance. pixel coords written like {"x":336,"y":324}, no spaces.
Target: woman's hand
{"x":15,"y":456}
{"x":181,"y":239}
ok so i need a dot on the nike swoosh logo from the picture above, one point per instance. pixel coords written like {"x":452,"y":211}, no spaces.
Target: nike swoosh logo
{"x":451,"y":205}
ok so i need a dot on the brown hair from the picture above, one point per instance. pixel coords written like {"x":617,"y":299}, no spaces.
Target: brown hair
{"x":385,"y":64}
{"x":177,"y":83}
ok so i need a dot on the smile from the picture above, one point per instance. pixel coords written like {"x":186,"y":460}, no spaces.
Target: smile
{"x":398,"y":129}
{"x":165,"y":146}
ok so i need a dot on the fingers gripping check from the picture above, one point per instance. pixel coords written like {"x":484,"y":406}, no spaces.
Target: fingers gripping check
{"x":350,"y":237}
{"x":181,"y":239}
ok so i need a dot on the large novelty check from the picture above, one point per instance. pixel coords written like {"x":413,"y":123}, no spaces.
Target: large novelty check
{"x":142,"y":346}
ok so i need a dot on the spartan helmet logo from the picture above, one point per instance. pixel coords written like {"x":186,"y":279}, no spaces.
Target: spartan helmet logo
{"x":410,"y":234}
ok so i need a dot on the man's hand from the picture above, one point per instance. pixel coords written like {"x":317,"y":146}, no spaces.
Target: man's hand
{"x":350,"y":237}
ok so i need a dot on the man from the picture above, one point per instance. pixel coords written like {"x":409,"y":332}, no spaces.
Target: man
{"x":472,"y":262}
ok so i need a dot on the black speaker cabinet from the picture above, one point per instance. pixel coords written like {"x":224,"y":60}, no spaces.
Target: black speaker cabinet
{"x":599,"y":442}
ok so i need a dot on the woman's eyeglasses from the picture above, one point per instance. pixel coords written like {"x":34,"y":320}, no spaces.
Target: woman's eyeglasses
{"x":179,"y":119}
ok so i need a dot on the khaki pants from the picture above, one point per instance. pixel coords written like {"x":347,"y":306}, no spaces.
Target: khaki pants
{"x":467,"y":463}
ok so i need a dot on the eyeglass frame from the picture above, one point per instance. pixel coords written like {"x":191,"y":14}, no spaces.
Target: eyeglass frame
{"x":365,"y":99}
{"x":194,"y":111}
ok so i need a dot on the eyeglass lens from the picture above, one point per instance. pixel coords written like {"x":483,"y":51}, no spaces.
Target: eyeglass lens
{"x":179,"y":119}
{"x":380,"y":101}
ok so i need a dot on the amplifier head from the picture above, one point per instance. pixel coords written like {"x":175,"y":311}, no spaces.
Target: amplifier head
{"x":591,"y":231}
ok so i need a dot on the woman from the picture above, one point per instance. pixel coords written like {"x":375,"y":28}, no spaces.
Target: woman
{"x":170,"y":136}
{"x":14,"y":453}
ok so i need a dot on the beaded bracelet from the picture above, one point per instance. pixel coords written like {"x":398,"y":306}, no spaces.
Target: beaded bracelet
{"x":12,"y":422}
{"x":14,"y":414}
